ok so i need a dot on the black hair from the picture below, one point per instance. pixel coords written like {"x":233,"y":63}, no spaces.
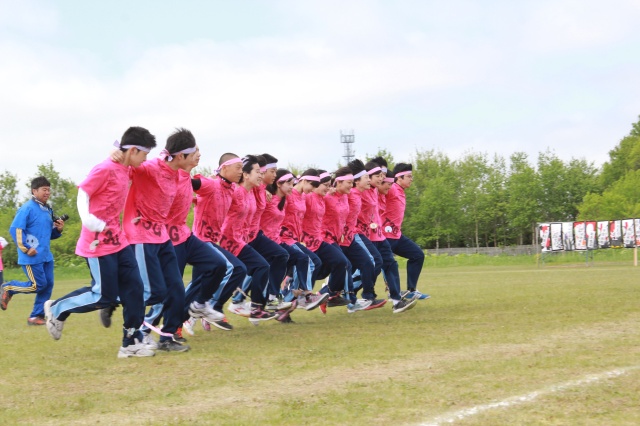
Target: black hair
{"x":381,"y":162}
{"x":39,"y":182}
{"x":372,"y":165}
{"x":180,"y":139}
{"x":311,"y":172}
{"x":247,"y":165}
{"x":137,"y":136}
{"x":226,"y":157}
{"x":273,"y":187}
{"x":390,"y":174}
{"x":342,"y":171}
{"x":270,"y":159}
{"x":402,"y":167}
{"x":356,"y":167}
{"x":261,"y":161}
{"x":323,"y":180}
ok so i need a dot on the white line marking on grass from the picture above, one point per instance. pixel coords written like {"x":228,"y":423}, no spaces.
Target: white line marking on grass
{"x":521,"y":399}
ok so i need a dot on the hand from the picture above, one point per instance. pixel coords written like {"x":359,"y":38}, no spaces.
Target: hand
{"x":117,"y":156}
{"x":32,"y":252}
{"x":269,"y":195}
{"x":59,"y":224}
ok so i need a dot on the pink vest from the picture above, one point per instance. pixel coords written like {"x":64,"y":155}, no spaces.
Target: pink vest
{"x":272,"y":218}
{"x":260,"y":195}
{"x":294,"y":212}
{"x":177,"y":222}
{"x":106,"y":185}
{"x":351,"y":225}
{"x":369,"y":217}
{"x":335,"y":217}
{"x":236,"y":225}
{"x":394,"y":213}
{"x":153,"y":188}
{"x":213,"y":200}
{"x":312,"y":232}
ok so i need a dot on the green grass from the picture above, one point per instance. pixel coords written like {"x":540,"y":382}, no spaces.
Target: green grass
{"x":488,"y":333}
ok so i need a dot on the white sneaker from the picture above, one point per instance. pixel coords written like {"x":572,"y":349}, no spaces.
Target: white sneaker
{"x":277,"y":305}
{"x":54,"y":326}
{"x":314,"y":300}
{"x":302,"y":302}
{"x":196,"y":310}
{"x":243,"y":309}
{"x":137,"y":350}
{"x":360,"y":305}
{"x":187,"y":326}
{"x":211,"y":315}
{"x":148,"y":342}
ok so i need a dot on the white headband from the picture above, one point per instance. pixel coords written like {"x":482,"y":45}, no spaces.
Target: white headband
{"x":141,"y":148}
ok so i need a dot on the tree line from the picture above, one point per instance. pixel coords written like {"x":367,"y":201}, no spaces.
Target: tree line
{"x":473,"y":201}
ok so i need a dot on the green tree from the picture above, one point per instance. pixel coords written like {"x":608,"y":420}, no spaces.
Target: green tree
{"x":622,"y":159}
{"x":432,"y":204}
{"x":620,"y":201}
{"x":472,"y":171}
{"x":522,"y":191}
{"x":8,"y":191}
{"x":496,"y":203}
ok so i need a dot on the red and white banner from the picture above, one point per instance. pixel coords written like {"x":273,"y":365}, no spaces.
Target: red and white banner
{"x":545,"y":241}
{"x":567,"y":236}
{"x":580,"y":233}
{"x":603,"y":234}
{"x":628,"y":233}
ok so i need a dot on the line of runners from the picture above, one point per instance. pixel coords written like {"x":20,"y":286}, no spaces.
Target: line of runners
{"x":261,"y":238}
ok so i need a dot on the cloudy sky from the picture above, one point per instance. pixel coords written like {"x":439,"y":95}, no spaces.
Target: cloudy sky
{"x":286,"y":77}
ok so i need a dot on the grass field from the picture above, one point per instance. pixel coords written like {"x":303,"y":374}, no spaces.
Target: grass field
{"x":496,"y":345}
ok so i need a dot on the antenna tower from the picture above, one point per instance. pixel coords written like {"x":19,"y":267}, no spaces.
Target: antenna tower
{"x":348,"y":139}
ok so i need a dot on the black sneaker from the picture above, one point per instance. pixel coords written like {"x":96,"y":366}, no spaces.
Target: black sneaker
{"x":223,"y":324}
{"x":105,"y":315}
{"x":404,"y":305}
{"x":337,"y":301}
{"x":177,"y":336}
{"x":172,"y":346}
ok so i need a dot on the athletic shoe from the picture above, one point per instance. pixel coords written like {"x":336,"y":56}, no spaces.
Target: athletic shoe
{"x":360,"y":305}
{"x":36,"y":321}
{"x":105,"y":315}
{"x":54,"y":326}
{"x":414,"y":294}
{"x":148,"y":342}
{"x":287,"y":320}
{"x":404,"y":305}
{"x":302,"y":302}
{"x":5,"y":297}
{"x":323,"y":307}
{"x":337,"y":300}
{"x":277,"y":305}
{"x":259,"y":314}
{"x":137,"y":350}
{"x":312,"y":301}
{"x":242,"y":309}
{"x":376,"y":303}
{"x":211,"y":315}
{"x":177,"y":336}
{"x":205,"y":325}
{"x":283,"y":314}
{"x":187,"y":326}
{"x":222,"y":324}
{"x":172,"y":346}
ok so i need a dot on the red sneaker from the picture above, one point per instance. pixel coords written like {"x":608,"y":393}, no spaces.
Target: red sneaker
{"x":36,"y":321}
{"x":5,"y":297}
